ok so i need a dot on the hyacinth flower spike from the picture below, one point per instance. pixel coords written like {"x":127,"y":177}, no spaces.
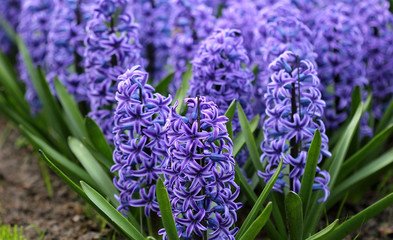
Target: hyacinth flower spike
{"x":199,"y":172}
{"x":139,"y":140}
{"x":294,"y":110}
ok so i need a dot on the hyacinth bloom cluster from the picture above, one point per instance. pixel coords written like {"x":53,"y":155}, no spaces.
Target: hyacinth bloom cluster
{"x":65,"y":45}
{"x":191,"y":22}
{"x":139,"y":140}
{"x":294,"y":109}
{"x":112,"y":46}
{"x":376,"y":22}
{"x":153,"y":17}
{"x":9,"y":10}
{"x":199,"y":172}
{"x":218,"y":73}
{"x":34,"y":24}
{"x":338,"y":42}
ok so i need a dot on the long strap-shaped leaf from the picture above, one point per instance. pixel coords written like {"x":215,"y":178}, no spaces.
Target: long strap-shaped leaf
{"x":324,"y":233}
{"x":258,"y":206}
{"x":294,"y":212}
{"x":98,"y":139}
{"x":356,"y":221}
{"x":258,"y":224}
{"x":112,"y":213}
{"x":162,"y":86}
{"x":166,"y":211}
{"x":113,"y":221}
{"x":183,"y":89}
{"x":310,"y":168}
{"x":386,"y":119}
{"x":240,"y":138}
{"x":230,"y":113}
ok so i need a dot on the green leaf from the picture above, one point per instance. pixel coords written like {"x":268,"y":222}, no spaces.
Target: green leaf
{"x":240,"y":139}
{"x":72,"y":169}
{"x":353,"y":162}
{"x":249,"y":137}
{"x":310,"y":169}
{"x":294,"y":212}
{"x":72,"y":113}
{"x":230,"y":113}
{"x":324,"y":233}
{"x":356,"y":99}
{"x":333,"y":166}
{"x":356,"y":221}
{"x":258,"y":206}
{"x":386,"y":119}
{"x":244,"y":185}
{"x":98,"y":139}
{"x":183,"y":89}
{"x":110,"y":212}
{"x":82,"y":194}
{"x":94,"y":169}
{"x":258,"y":224}
{"x":166,"y":211}
{"x":7,"y":28}
{"x":162,"y":86}
{"x":361,"y":175}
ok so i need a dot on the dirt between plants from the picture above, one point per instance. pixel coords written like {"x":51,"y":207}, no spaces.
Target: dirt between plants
{"x":24,"y":200}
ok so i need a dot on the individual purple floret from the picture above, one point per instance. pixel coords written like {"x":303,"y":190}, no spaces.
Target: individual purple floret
{"x":139,"y":140}
{"x":65,"y":45}
{"x":153,"y":17}
{"x":33,"y":28}
{"x":376,"y":22}
{"x":338,"y":42}
{"x":112,"y":46}
{"x":10,"y":11}
{"x":191,"y":22}
{"x":294,"y":109}
{"x":218,"y":72}
{"x":199,"y":172}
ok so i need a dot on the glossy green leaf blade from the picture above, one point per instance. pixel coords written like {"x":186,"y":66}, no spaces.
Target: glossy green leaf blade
{"x":80,"y":192}
{"x":294,"y":212}
{"x":183,"y":89}
{"x":310,"y":169}
{"x":244,"y":185}
{"x":249,"y":137}
{"x":324,"y":233}
{"x":240,"y":139}
{"x":7,"y":28}
{"x":98,"y":139}
{"x":356,"y":221}
{"x":352,"y":163}
{"x":72,"y":113}
{"x":112,"y":213}
{"x":386,"y":119}
{"x":166,"y":211}
{"x":333,"y":167}
{"x":258,"y":224}
{"x":71,"y":169}
{"x":258,"y":206}
{"x":94,"y":169}
{"x":162,"y":86}
{"x":361,"y":175}
{"x":230,"y":113}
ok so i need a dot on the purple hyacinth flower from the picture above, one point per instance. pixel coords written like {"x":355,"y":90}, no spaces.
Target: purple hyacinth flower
{"x":139,"y":141}
{"x":10,"y":11}
{"x":112,"y":46}
{"x":199,"y":172}
{"x":293,"y":117}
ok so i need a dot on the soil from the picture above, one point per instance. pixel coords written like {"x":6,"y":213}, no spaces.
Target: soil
{"x":24,"y":200}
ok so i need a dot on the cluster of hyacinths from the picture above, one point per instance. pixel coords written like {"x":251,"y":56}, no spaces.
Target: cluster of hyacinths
{"x":294,"y":108}
{"x":191,"y":22}
{"x":376,"y":23}
{"x":65,"y":45}
{"x":112,"y":46}
{"x":199,"y":172}
{"x":34,"y":24}
{"x":9,"y":10}
{"x":218,"y":73}
{"x":139,"y":140}
{"x":338,"y":42}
